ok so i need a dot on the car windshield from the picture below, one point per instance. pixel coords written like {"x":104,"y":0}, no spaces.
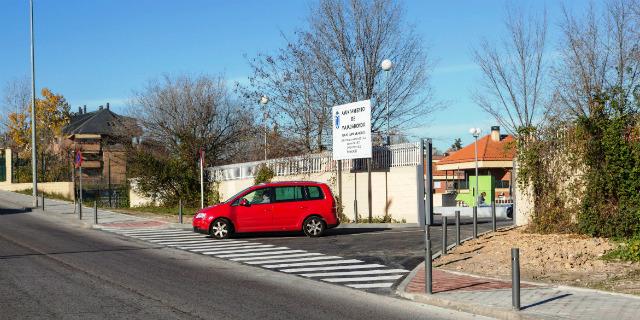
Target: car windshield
{"x":237,"y":194}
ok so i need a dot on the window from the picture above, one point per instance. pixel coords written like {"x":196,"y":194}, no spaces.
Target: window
{"x":314,"y":193}
{"x":258,"y":196}
{"x":502,"y":184}
{"x":288,"y":193}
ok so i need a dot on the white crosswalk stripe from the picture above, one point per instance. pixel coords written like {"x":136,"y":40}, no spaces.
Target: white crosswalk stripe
{"x":156,"y":232}
{"x":319,"y":263}
{"x":258,"y":254}
{"x":284,"y":257}
{"x":223,"y":251}
{"x":226,"y":248}
{"x":205,"y":245}
{"x":370,"y":285}
{"x":358,"y":266}
{"x":352,"y":273}
{"x":199,"y":241}
{"x":316,"y":258}
{"x":362,"y":279}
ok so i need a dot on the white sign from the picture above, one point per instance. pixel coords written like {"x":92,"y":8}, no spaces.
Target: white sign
{"x":352,"y":130}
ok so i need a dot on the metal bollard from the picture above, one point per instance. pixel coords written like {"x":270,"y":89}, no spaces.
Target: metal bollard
{"x":428,"y":272}
{"x":95,"y":212}
{"x":80,"y":210}
{"x":493,"y":216}
{"x":180,"y":211}
{"x":42,"y":201}
{"x":444,"y":235}
{"x":475,"y":222}
{"x":515,"y":278}
{"x":457,"y":227}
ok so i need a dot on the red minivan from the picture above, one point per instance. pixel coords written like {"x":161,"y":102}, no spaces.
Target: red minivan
{"x":278,"y":206}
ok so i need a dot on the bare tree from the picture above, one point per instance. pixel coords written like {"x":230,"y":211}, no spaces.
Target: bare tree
{"x":599,"y":51}
{"x":513,"y":84}
{"x":186,"y":113}
{"x":16,"y":98}
{"x":336,"y":60}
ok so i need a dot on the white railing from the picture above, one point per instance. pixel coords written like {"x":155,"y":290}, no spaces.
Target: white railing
{"x":398,"y":155}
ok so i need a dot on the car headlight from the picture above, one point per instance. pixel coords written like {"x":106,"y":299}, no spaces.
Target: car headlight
{"x":201,"y":215}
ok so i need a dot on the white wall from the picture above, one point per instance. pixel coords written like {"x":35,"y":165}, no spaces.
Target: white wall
{"x":400,"y":184}
{"x":64,"y":189}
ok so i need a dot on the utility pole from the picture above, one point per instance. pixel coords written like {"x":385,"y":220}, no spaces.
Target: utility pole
{"x":34,"y":160}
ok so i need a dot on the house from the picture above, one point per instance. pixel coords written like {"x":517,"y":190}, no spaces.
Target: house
{"x":102,"y":136}
{"x":495,"y":163}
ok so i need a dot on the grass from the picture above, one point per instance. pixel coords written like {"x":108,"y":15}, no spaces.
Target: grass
{"x":163,"y":211}
{"x":47,"y":195}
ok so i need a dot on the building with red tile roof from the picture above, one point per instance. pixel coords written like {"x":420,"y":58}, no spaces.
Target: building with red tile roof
{"x":495,"y":158}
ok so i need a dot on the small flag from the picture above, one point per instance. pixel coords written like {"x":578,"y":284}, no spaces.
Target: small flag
{"x":201,"y":157}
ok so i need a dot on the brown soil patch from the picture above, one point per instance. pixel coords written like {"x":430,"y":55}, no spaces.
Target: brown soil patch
{"x":569,"y":259}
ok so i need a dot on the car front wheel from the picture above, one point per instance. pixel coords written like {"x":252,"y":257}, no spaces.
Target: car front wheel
{"x":313,"y":226}
{"x":220,"y":229}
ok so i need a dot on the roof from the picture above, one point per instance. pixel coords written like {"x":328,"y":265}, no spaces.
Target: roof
{"x":103,"y":122}
{"x":291,"y":183}
{"x":488,"y":150}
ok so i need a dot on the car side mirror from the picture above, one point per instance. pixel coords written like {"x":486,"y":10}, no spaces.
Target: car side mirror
{"x":244,"y":202}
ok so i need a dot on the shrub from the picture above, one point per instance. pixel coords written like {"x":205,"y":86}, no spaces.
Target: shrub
{"x":264,"y":174}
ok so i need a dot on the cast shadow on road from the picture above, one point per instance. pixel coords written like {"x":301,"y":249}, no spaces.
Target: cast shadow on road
{"x":14,"y":256}
{"x":4,"y":211}
{"x":546,"y":301}
{"x":328,"y":233}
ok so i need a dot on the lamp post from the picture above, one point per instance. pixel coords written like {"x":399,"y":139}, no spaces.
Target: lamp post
{"x":475,"y":132}
{"x":263,"y":101}
{"x":34,"y":158}
{"x":386,"y":65}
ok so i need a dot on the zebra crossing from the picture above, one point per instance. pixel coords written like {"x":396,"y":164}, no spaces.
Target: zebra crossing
{"x":333,"y":269}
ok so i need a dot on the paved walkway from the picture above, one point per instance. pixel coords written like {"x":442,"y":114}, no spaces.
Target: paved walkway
{"x":106,"y":218}
{"x":491,"y":297}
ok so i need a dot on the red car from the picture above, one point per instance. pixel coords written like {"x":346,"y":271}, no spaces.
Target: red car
{"x":279,"y":206}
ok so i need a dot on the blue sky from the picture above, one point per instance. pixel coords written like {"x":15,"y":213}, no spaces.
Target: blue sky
{"x":100,"y":51}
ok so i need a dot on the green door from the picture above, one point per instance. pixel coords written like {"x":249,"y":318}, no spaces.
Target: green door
{"x":3,"y":168}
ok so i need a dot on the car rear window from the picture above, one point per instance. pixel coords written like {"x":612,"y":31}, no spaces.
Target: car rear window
{"x":315,"y":193}
{"x":288,"y":193}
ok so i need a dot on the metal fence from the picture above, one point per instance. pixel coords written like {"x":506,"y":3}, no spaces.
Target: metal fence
{"x":116,"y":197}
{"x":383,"y":157}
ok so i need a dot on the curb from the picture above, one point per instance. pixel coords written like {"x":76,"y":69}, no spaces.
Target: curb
{"x":376,"y":225}
{"x":494,"y":312}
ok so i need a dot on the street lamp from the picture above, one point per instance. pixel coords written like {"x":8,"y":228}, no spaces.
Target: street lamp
{"x":475,"y":132}
{"x":386,"y":66}
{"x":34,"y":159}
{"x":263,"y":101}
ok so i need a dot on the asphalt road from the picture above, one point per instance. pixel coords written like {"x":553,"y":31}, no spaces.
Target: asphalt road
{"x":395,"y":248}
{"x":53,"y":269}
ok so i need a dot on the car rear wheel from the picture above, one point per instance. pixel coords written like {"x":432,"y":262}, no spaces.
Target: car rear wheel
{"x":221,"y":229}
{"x":313,"y":226}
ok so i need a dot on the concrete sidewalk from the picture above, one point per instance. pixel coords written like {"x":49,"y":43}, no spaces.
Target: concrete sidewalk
{"x":492,"y":297}
{"x":106,"y":218}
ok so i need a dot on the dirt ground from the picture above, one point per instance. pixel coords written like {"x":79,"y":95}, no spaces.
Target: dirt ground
{"x":568,"y":259}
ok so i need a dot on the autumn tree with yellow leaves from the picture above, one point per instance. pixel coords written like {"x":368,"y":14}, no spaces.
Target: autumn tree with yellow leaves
{"x":52,"y":114}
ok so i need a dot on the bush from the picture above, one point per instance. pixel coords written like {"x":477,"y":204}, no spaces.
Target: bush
{"x":611,"y":206}
{"x":628,"y":250}
{"x":264,"y":175}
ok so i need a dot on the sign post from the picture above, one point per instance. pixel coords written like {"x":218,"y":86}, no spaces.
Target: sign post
{"x":201,"y":178}
{"x":352,"y":138}
{"x":78,"y":162}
